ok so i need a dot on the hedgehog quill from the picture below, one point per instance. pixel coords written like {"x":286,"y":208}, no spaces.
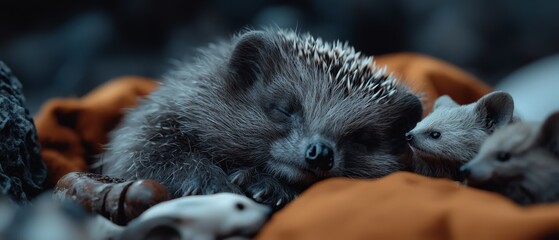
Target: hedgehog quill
{"x":266,"y":114}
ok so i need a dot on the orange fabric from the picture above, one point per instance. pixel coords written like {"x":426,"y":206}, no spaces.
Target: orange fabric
{"x":408,"y":206}
{"x":432,"y":78}
{"x":71,"y":131}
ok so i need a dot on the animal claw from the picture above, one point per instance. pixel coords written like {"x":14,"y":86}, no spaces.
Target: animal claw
{"x":191,"y":191}
{"x":236,"y":179}
{"x":187,"y":192}
{"x":258,"y":196}
{"x":197,"y":191}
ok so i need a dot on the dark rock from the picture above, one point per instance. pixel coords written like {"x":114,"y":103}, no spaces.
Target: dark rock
{"x":22,"y":171}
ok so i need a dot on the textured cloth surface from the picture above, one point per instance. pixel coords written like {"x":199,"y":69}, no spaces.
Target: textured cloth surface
{"x":22,"y":171}
{"x":408,"y":206}
{"x":432,"y":78}
{"x":72,"y":131}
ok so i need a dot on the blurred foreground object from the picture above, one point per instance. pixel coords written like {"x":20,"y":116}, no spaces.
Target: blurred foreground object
{"x":22,"y":171}
{"x":114,"y":198}
{"x":535,"y":89}
{"x":47,"y":219}
{"x":217,"y":216}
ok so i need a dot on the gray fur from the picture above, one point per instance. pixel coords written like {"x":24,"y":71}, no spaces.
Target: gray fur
{"x":531,"y":172}
{"x":239,"y":117}
{"x":462,"y":130}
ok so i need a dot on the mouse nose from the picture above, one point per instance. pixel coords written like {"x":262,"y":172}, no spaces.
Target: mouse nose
{"x":409,"y":137}
{"x":320,"y":155}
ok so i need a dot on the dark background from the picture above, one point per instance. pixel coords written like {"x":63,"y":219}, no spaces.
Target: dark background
{"x":66,"y":48}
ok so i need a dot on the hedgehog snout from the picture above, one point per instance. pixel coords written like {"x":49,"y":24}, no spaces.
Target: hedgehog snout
{"x":320,"y":155}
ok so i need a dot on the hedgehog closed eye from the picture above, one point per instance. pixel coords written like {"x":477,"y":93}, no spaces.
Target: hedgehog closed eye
{"x":285,"y":112}
{"x":280,"y":114}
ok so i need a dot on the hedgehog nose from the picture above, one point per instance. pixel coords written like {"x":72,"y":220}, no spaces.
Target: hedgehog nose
{"x":320,"y":155}
{"x":409,"y":137}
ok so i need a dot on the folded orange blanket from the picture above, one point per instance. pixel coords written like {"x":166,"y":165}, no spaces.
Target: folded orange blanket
{"x":72,"y":130}
{"x":433,"y":78}
{"x":408,"y":206}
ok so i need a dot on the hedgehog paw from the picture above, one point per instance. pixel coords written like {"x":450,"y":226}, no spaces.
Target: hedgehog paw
{"x":206,"y":186}
{"x":263,"y":188}
{"x":269,"y":191}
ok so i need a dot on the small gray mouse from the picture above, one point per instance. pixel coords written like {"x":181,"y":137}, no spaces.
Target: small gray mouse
{"x":520,"y":161}
{"x":452,"y":134}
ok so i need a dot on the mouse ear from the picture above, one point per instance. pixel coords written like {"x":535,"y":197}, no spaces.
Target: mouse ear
{"x":251,"y":59}
{"x":445,"y":101}
{"x":549,"y":134}
{"x":496,"y":109}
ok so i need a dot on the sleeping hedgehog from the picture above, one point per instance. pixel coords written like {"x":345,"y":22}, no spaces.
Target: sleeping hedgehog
{"x":266,"y":114}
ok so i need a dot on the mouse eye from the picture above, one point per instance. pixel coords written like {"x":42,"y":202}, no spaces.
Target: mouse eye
{"x":435,"y":135}
{"x":240,"y":206}
{"x":503,"y":156}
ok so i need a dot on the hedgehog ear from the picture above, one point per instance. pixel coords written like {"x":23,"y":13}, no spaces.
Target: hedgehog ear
{"x":250,"y":59}
{"x":497,"y":109}
{"x":446,"y":101}
{"x":549,"y":134}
